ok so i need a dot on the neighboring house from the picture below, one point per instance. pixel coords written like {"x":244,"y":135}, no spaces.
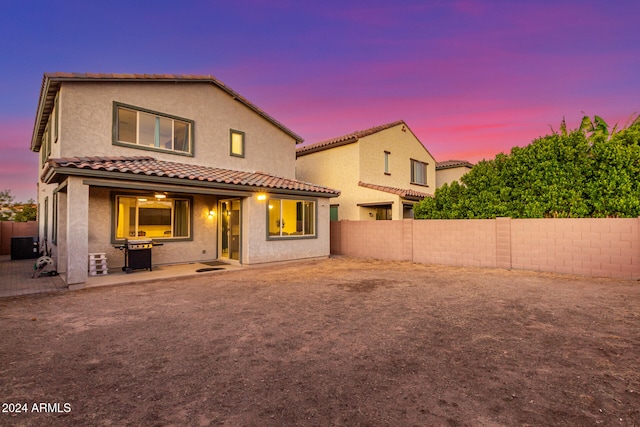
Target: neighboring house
{"x":381,"y":172}
{"x":182,"y":160}
{"x":451,"y":170}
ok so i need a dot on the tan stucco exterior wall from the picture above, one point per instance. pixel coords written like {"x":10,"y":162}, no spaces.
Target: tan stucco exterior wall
{"x":87,"y":121}
{"x":258,"y":249}
{"x":402,"y":146}
{"x":448,"y":175}
{"x":336,"y":168}
{"x":344,"y":166}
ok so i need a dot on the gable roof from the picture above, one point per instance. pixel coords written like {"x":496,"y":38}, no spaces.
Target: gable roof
{"x":447,"y":164}
{"x":344,"y":139}
{"x":51,"y":83}
{"x":405,"y":193}
{"x":143,"y":168}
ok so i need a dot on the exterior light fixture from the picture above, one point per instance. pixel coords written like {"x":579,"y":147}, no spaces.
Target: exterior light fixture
{"x":262,"y":196}
{"x":161,"y":196}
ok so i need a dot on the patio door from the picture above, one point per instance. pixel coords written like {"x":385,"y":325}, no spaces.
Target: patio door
{"x":229,"y":242}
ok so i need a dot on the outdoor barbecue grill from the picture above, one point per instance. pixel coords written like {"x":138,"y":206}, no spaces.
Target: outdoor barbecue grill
{"x":137,"y":254}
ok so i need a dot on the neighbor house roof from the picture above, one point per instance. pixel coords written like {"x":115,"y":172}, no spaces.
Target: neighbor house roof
{"x":143,"y":168}
{"x":51,"y":83}
{"x":344,"y":139}
{"x":447,"y":164}
{"x":405,"y":193}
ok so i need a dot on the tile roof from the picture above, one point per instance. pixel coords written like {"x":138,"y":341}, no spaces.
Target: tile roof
{"x":149,"y":166}
{"x":452,"y":164}
{"x":51,"y":83}
{"x":344,"y":139}
{"x":406,"y":193}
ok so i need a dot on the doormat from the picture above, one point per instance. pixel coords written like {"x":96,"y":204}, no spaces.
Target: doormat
{"x":214,"y":263}
{"x":202,"y":270}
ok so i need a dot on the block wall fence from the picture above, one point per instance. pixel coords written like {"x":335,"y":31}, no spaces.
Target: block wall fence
{"x":598,"y":247}
{"x":9,"y":229}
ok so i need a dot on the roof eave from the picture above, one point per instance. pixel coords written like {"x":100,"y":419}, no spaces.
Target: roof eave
{"x":50,"y":78}
{"x":304,"y":152}
{"x":57,"y":174}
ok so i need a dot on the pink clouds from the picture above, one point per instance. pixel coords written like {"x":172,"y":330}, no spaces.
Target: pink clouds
{"x":19,"y":170}
{"x":470,"y":77}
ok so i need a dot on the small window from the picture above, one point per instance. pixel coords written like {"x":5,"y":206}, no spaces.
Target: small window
{"x":45,"y":146}
{"x":291,"y":218}
{"x":386,"y":163}
{"x":418,"y":172}
{"x":55,"y":114}
{"x":151,"y":217}
{"x":54,"y":220}
{"x":150,"y":130}
{"x":236,"y":143}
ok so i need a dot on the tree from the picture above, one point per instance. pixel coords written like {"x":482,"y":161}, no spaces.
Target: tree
{"x":588,"y":172}
{"x":26,"y":212}
{"x":19,"y":212}
{"x":6,"y":202}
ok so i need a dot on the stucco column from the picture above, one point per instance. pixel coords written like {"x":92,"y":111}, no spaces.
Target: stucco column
{"x":77,"y":236}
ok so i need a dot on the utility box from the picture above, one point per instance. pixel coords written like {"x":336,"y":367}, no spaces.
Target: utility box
{"x":24,"y":247}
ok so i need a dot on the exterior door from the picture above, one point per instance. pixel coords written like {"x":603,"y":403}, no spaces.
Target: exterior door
{"x":229,"y":229}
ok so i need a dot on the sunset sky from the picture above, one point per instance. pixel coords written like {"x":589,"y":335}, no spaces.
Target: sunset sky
{"x":470,"y":78}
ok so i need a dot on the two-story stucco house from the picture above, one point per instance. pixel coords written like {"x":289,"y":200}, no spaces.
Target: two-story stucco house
{"x":381,"y":172}
{"x":182,"y":160}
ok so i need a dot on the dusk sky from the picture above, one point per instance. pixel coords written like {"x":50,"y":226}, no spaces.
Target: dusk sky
{"x":470,"y":78}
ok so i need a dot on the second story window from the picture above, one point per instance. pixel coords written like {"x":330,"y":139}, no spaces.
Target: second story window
{"x":418,"y":172}
{"x":236,"y":143}
{"x":150,"y":130}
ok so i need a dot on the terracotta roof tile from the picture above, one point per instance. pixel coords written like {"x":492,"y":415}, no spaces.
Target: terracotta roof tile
{"x":344,"y":139}
{"x":406,"y":193}
{"x":452,"y":164}
{"x":144,"y":165}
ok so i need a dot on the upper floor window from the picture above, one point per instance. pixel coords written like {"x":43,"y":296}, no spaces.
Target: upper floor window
{"x":236,"y":142}
{"x":418,"y":172}
{"x":151,"y":130}
{"x":386,"y":163}
{"x":45,"y":146}
{"x":54,"y":122}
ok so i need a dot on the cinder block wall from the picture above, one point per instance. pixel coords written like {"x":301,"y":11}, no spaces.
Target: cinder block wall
{"x":586,"y":246}
{"x":599,"y":247}
{"x":9,"y":229}
{"x":459,"y":243}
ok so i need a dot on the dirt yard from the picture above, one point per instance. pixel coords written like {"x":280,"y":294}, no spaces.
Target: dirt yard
{"x":337,"y":342}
